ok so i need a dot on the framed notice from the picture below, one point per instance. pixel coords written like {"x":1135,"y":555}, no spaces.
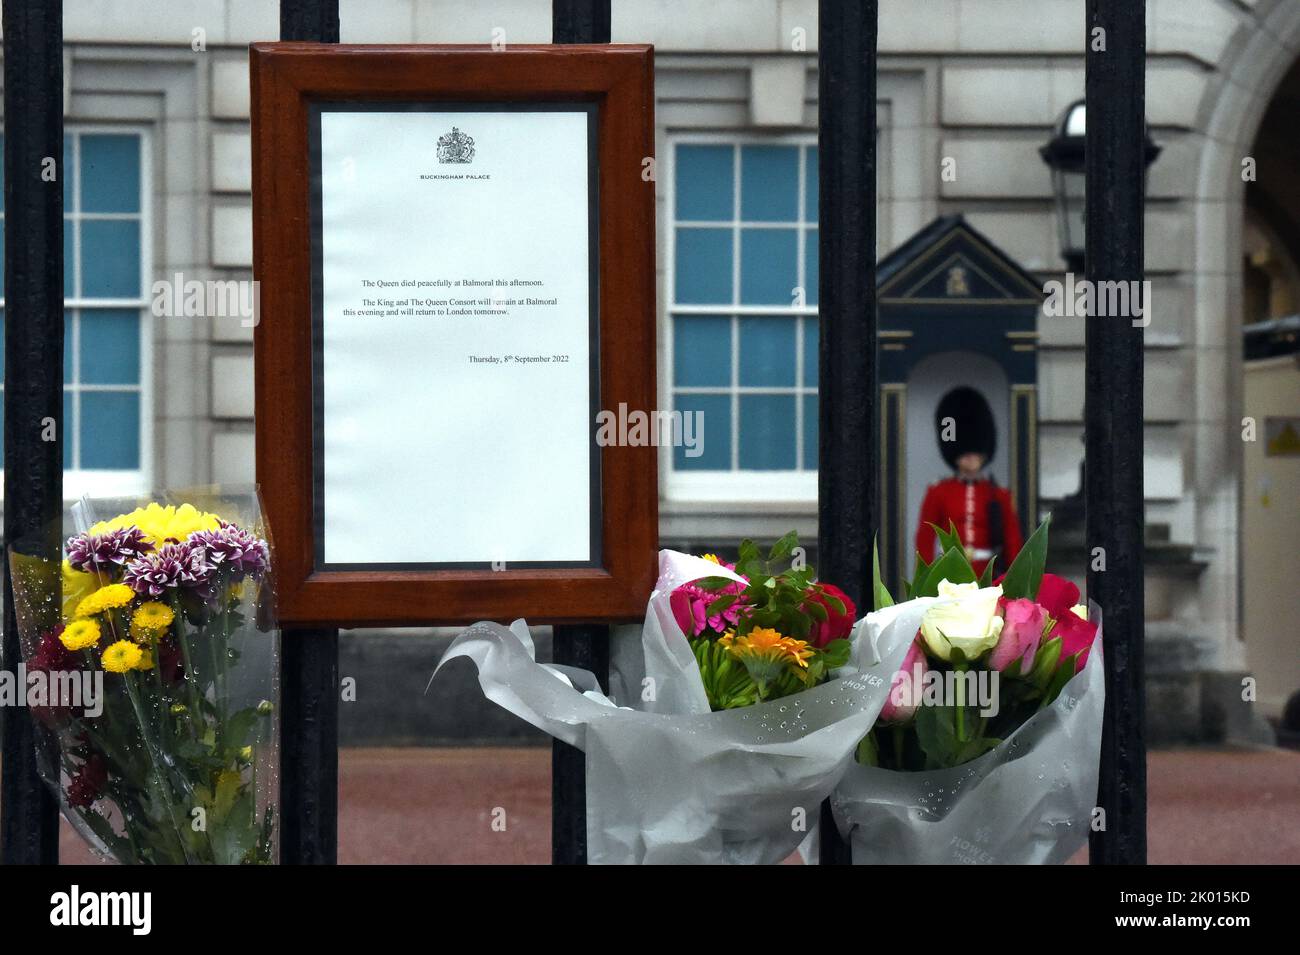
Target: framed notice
{"x":455,"y":247}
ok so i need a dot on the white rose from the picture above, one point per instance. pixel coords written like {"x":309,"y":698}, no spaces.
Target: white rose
{"x":968,"y":621}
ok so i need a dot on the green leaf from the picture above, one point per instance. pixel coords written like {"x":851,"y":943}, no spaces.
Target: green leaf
{"x":953,"y":567}
{"x":986,"y":578}
{"x":1045,"y":662}
{"x":880,"y":592}
{"x":867,"y":753}
{"x":976,"y":748}
{"x":1026,"y":572}
{"x":949,"y":539}
{"x":817,"y":610}
{"x":722,"y":603}
{"x":836,"y":653}
{"x":784,"y":547}
{"x":835,"y":603}
{"x":1064,"y":673}
{"x":937,"y":734}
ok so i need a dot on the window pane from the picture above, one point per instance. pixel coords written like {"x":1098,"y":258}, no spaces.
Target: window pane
{"x":809,"y":432}
{"x":811,"y":267}
{"x":110,"y":347}
{"x":110,"y":259}
{"x":767,"y":433}
{"x":67,"y":172}
{"x":705,"y":181}
{"x":69,"y":365}
{"x":811,"y":334}
{"x":703,"y":267}
{"x":769,"y":183}
{"x":811,"y":195}
{"x":767,"y":266}
{"x":767,"y":351}
{"x":702,"y":350}
{"x":712,"y":433}
{"x":110,"y":173}
{"x":69,"y":259}
{"x":69,"y":423}
{"x":110,"y":430}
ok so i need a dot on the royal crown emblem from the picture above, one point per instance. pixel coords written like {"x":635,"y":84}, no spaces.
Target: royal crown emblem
{"x":958,"y":284}
{"x":455,"y":146}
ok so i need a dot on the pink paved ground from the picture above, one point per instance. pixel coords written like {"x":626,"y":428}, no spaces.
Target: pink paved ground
{"x":437,"y":806}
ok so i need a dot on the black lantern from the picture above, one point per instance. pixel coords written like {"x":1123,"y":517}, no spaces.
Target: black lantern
{"x":1064,"y":154}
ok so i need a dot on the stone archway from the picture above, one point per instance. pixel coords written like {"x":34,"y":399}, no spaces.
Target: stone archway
{"x":1233,"y":218}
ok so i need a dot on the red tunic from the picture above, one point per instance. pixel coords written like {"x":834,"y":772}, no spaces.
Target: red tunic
{"x":966,"y":504}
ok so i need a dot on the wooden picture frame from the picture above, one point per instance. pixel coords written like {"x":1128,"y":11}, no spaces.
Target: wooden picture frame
{"x":289,"y":82}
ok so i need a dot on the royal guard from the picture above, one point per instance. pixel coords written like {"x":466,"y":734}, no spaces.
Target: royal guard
{"x":970,"y":500}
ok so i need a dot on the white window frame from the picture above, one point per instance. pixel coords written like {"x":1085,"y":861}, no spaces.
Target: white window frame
{"x":95,"y":482}
{"x":732,"y":486}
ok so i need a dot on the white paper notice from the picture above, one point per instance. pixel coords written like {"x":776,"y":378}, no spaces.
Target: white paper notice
{"x":457,"y":417}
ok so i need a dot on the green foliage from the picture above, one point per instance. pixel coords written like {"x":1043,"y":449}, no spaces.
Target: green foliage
{"x":779,"y":596}
{"x":1025,"y":574}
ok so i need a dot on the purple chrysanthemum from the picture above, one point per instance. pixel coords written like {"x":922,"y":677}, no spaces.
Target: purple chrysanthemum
{"x":234,"y":549}
{"x":171,"y":566}
{"x":96,"y":552}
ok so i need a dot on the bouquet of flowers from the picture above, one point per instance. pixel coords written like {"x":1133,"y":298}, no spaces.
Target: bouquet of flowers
{"x":764,"y":636}
{"x":731,"y":713}
{"x":161,"y":741}
{"x":986,"y":750}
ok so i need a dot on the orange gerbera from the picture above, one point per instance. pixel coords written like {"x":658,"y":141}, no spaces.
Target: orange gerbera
{"x":763,"y":644}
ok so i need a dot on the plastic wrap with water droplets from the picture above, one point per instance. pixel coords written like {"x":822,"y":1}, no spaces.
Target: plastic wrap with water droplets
{"x":668,"y":781}
{"x":1030,"y":800}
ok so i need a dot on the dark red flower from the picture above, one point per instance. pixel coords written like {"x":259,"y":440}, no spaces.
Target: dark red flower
{"x":171,"y":661}
{"x":88,"y":783}
{"x":1076,"y":636}
{"x":1057,"y":595}
{"x":51,"y":654}
{"x":837,"y":625}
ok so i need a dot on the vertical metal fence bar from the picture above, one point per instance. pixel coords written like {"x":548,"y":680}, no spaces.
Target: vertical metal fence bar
{"x":1115,"y":157}
{"x":586,"y":647}
{"x":33,"y":392}
{"x":847,"y":455}
{"x":309,"y":669}
{"x":575,"y":21}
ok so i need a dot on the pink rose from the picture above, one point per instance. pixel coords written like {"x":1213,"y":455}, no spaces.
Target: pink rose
{"x":1076,"y":636}
{"x":837,"y":625}
{"x":1022,"y":629}
{"x":906,"y":687}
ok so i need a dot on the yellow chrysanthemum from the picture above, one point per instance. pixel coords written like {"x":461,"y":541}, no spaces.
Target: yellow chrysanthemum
{"x":151,"y":619}
{"x":80,"y":634}
{"x":767,"y":644}
{"x":122,"y":656}
{"x":77,"y":586}
{"x":158,"y":523}
{"x":146,"y":659}
{"x":105,"y":598}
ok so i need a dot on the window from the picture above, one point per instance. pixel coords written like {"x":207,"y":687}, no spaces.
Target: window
{"x":742,"y":326}
{"x":105,"y":352}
